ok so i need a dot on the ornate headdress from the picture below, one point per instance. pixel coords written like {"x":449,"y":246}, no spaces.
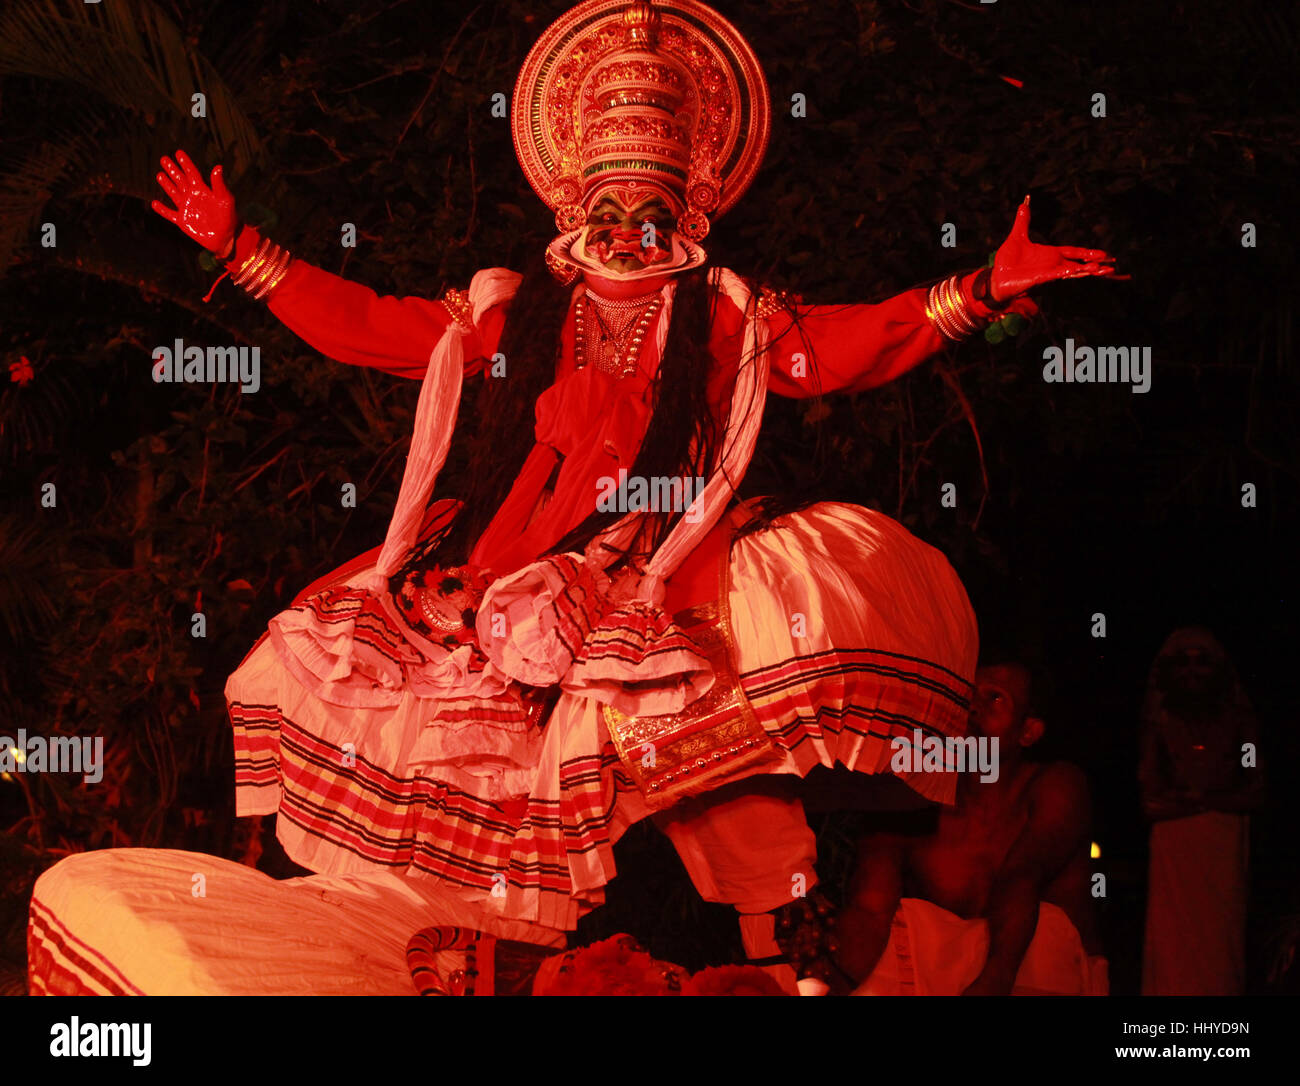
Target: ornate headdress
{"x":664,"y":95}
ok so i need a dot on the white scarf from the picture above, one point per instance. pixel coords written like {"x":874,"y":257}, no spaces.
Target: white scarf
{"x":435,"y":421}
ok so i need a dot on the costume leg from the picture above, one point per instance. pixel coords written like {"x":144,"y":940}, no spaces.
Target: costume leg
{"x":751,"y":849}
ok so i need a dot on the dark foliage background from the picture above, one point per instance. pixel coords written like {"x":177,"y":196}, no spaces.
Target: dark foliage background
{"x":1072,"y":499}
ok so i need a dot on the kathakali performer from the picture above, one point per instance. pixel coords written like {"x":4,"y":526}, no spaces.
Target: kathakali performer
{"x":515,"y":677}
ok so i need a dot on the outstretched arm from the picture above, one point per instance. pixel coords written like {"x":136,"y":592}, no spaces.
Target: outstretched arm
{"x":344,"y":321}
{"x":351,"y":323}
{"x":858,"y":347}
{"x":819,"y":349}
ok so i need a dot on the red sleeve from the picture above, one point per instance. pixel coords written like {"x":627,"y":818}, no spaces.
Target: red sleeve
{"x":350,"y":323}
{"x":856,"y":347}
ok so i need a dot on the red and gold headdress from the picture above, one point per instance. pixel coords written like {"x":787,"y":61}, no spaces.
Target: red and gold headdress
{"x":664,"y":95}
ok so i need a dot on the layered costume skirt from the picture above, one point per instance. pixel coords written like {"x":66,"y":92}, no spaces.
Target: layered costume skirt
{"x":830,"y":634}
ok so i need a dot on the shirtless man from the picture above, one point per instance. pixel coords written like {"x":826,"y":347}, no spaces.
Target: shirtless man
{"x":1004,"y":847}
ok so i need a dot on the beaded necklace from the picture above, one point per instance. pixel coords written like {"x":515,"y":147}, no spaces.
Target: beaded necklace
{"x":614,"y":339}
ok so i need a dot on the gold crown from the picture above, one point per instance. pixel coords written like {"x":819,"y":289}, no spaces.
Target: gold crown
{"x":640,"y":127}
{"x":665,"y":94}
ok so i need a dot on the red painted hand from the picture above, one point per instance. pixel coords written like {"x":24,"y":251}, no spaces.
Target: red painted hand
{"x":205,"y":214}
{"x":1021,"y":265}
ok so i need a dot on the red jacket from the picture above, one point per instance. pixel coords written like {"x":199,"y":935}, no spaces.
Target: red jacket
{"x":595,"y":422}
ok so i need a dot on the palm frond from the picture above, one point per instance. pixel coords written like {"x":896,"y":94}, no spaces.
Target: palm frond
{"x":30,"y":181}
{"x":129,"y":53}
{"x":134,"y":61}
{"x":33,"y":418}
{"x":26,"y":600}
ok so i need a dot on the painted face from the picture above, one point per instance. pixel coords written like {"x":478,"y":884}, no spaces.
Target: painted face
{"x":629,"y":229}
{"x":1000,"y":701}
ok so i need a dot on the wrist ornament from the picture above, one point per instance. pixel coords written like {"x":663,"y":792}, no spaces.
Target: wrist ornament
{"x":263,"y":271}
{"x":950,"y":311}
{"x":955,"y":308}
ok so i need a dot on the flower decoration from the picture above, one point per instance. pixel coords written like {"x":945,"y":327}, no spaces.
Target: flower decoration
{"x":21,"y":371}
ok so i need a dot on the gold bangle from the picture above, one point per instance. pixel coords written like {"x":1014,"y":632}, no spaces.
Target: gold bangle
{"x":936,"y":313}
{"x":274,"y":271}
{"x":957,"y":301}
{"x":932,"y":316}
{"x":278,"y":276}
{"x":947,"y":309}
{"x":965,"y":302}
{"x":251,"y":264}
{"x":255,"y":284}
{"x":263,"y":271}
{"x":943,"y":314}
